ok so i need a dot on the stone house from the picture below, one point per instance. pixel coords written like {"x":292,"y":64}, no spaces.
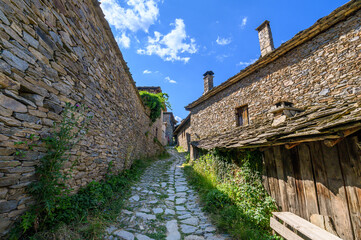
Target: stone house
{"x":182,"y":134}
{"x":300,"y":104}
{"x":159,"y":126}
{"x":53,"y":52}
{"x":170,"y":122}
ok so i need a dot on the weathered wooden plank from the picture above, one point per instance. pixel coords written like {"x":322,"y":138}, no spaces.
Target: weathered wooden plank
{"x":272,"y":176}
{"x":300,"y":192}
{"x":283,"y":230}
{"x":306,"y":174}
{"x":287,"y":156}
{"x":305,"y":227}
{"x":339,"y":209}
{"x":351,"y":168}
{"x":323,"y":194}
{"x":281,"y":178}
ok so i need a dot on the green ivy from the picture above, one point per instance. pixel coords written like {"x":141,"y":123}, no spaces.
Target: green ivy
{"x":156,"y":102}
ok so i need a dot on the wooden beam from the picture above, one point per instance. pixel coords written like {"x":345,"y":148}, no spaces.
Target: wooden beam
{"x":290,"y":146}
{"x":283,"y":230}
{"x":331,"y":143}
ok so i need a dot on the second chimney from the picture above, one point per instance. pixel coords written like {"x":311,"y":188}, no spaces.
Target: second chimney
{"x":208,"y":81}
{"x":265,"y":38}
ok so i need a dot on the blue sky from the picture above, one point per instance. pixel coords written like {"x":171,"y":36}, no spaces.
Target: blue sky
{"x":171,"y":43}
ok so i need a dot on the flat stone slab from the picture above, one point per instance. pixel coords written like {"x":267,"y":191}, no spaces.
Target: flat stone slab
{"x":144,"y":210}
{"x":181,"y":189}
{"x":194,"y":237}
{"x":142,"y":237}
{"x":210,"y":229}
{"x":145,"y":216}
{"x":191,"y":221}
{"x":124,"y":235}
{"x":172,"y":230}
{"x":180,"y":208}
{"x":157,"y":210}
{"x":180,"y":201}
{"x":134,"y":198}
{"x":169,"y":211}
{"x":188,"y":229}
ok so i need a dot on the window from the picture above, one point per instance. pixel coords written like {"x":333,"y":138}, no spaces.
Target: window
{"x":242,"y":116}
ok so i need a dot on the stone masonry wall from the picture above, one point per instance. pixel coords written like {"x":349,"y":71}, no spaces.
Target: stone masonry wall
{"x":323,"y":69}
{"x":58,"y":51}
{"x":182,"y":137}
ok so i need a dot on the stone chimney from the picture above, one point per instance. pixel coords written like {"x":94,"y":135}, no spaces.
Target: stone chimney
{"x":208,"y":81}
{"x":265,"y":38}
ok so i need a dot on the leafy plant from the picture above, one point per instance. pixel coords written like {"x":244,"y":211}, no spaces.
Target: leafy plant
{"x":156,"y":102}
{"x":231,"y":187}
{"x":49,"y":189}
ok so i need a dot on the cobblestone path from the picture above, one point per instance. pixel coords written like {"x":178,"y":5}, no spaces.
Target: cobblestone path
{"x":162,"y":206}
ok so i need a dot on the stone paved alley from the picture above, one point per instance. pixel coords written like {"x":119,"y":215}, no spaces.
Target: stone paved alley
{"x":163,"y":206}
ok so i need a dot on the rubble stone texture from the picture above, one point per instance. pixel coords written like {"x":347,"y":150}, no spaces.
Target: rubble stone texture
{"x":160,"y":211}
{"x":52,"y":52}
{"x":324,"y":69}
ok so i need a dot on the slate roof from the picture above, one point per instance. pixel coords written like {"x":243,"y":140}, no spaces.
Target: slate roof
{"x":320,"y":122}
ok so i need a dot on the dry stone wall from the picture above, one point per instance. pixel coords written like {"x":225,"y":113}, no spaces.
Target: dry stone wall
{"x":183,"y":137}
{"x":325,"y":69}
{"x":53,"y":52}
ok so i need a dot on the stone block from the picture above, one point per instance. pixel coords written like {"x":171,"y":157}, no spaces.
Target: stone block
{"x":35,"y":98}
{"x":7,"y":206}
{"x":8,"y":83}
{"x":12,"y":104}
{"x":19,"y":98}
{"x":14,"y":61}
{"x":5,"y":112}
{"x":9,"y":164}
{"x":3,"y":192}
{"x":10,"y":121}
{"x":26,"y":117}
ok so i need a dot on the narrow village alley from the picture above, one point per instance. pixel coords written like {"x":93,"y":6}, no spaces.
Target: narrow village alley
{"x":163,"y":206}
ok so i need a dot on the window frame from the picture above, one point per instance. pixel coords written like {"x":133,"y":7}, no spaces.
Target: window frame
{"x":242,"y":113}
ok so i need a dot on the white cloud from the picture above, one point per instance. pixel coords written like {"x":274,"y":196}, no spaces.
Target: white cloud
{"x":170,"y":46}
{"x":244,"y":22}
{"x":223,"y":41}
{"x":140,"y":15}
{"x":178,"y":119}
{"x":146,"y":71}
{"x":123,"y":40}
{"x":245,"y":64}
{"x":169,"y":80}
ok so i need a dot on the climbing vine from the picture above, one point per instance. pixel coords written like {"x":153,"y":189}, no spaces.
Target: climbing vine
{"x":156,"y":102}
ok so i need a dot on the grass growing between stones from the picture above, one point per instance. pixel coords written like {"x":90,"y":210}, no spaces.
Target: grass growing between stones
{"x":232,"y":193}
{"x":86,"y":214}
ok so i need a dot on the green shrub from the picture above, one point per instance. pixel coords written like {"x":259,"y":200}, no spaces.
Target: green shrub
{"x":231,"y":187}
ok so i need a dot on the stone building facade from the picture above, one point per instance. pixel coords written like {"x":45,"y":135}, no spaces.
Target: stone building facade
{"x":183,"y":134}
{"x":53,"y":52}
{"x":300,"y":105}
{"x":170,"y":122}
{"x":159,"y":126}
{"x":319,"y":65}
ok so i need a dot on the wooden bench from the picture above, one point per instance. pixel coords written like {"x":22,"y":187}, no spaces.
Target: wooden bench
{"x":293,"y":227}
